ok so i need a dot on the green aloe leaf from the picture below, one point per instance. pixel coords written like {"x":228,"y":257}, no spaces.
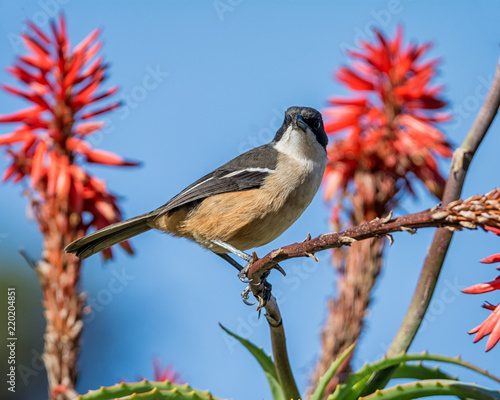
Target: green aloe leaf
{"x":147,"y":390}
{"x":359,"y":378}
{"x":323,"y":382}
{"x":441,"y":387}
{"x":265,"y":362}
{"x":420,"y":372}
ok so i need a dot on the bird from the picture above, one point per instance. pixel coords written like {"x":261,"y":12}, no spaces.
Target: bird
{"x":246,"y":203}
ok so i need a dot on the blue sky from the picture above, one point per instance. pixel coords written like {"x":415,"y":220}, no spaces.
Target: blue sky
{"x":202,"y":82}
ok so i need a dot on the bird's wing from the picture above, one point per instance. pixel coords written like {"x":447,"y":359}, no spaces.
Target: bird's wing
{"x":247,"y":171}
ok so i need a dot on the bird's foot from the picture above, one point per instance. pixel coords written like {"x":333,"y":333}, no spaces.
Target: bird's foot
{"x":243,"y":274}
{"x":245,"y":295}
{"x":263,"y":294}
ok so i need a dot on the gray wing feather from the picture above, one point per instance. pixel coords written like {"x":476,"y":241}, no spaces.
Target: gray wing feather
{"x":212,"y":184}
{"x":217,"y":182}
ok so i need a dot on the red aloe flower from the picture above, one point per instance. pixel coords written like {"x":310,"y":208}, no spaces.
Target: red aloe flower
{"x":491,"y":326}
{"x":390,"y":124}
{"x":168,"y":373}
{"x":63,"y":87}
{"x":390,"y":139}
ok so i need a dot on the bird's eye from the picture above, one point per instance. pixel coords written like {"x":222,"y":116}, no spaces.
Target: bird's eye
{"x":317,"y":124}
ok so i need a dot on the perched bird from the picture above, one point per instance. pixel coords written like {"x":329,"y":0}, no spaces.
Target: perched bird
{"x":245,"y":203}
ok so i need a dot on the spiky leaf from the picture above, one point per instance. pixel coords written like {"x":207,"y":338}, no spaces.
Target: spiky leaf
{"x":419,"y":372}
{"x":265,"y":362}
{"x":442,"y":387}
{"x":147,"y":390}
{"x":323,"y":382}
{"x":345,"y":391}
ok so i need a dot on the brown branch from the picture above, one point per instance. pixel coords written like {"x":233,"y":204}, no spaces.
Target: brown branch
{"x":477,"y":211}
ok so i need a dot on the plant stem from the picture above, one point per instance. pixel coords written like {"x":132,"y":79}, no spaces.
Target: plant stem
{"x":278,"y":341}
{"x":442,"y":238}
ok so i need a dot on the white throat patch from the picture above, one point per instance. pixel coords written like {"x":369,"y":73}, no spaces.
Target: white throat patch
{"x":301,"y":146}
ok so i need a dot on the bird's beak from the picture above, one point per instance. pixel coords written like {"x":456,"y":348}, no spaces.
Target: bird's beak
{"x":301,"y":123}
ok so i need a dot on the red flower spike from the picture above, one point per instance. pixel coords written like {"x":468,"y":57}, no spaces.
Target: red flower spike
{"x":105,"y":157}
{"x":491,"y":259}
{"x":40,"y":34}
{"x":353,"y":80}
{"x":37,"y":165}
{"x":483,"y":287}
{"x":62,"y":84}
{"x":62,"y":37}
{"x":9,"y":172}
{"x":127,"y":247}
{"x":92,"y":51}
{"x":18,"y":135}
{"x":74,"y":68}
{"x":42,"y":64}
{"x":100,"y":111}
{"x":90,"y":70}
{"x":167,"y":373}
{"x":85,"y":43}
{"x":86,"y":128}
{"x":389,"y":124}
{"x":103,"y":95}
{"x":491,"y":326}
{"x":21,"y":74}
{"x":35,"y":46}
{"x":496,"y":231}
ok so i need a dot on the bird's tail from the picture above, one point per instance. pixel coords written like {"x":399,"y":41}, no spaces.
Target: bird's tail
{"x":108,"y":236}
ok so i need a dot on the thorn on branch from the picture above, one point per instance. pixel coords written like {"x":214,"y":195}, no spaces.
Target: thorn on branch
{"x":408,"y":229}
{"x":261,"y":305}
{"x":346,"y":240}
{"x":387,"y":218}
{"x":307,"y":238}
{"x":312,"y":256}
{"x":436,"y":207}
{"x":391,"y":239}
{"x":458,"y":160}
{"x":278,"y":268}
{"x":277,"y":253}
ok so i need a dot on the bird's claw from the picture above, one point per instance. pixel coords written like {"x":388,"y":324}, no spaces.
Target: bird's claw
{"x":245,"y":295}
{"x":263,"y":296}
{"x":243,"y":274}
